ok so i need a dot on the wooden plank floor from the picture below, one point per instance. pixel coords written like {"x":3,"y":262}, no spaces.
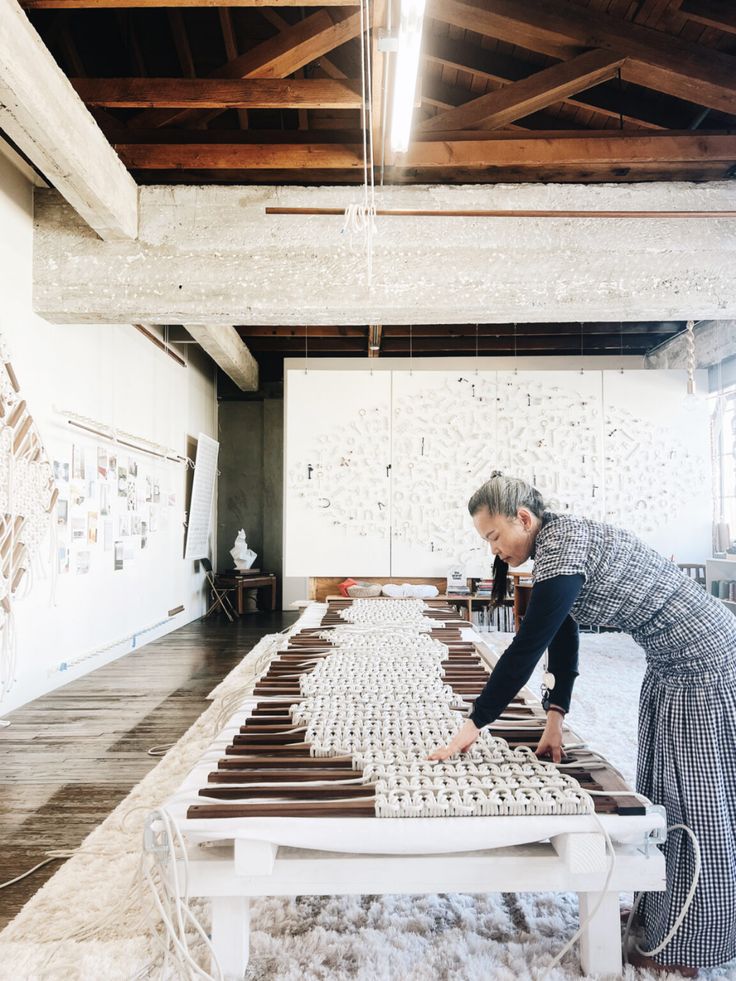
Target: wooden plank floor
{"x":70,"y":757}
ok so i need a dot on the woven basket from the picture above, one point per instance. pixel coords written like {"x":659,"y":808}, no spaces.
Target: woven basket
{"x":364,"y":591}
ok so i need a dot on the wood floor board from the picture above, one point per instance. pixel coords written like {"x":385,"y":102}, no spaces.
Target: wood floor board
{"x":70,"y":757}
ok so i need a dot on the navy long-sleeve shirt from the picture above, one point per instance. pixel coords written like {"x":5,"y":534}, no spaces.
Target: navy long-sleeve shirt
{"x":547,"y":624}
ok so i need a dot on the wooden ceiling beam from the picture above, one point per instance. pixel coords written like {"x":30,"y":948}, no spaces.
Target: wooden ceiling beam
{"x":538,"y":91}
{"x":392,"y":346}
{"x":720,"y":14}
{"x":536,"y":149}
{"x":249,"y":332}
{"x":336,"y":330}
{"x":157,"y":4}
{"x":523,"y":150}
{"x":277,"y":57}
{"x":637,"y":108}
{"x":655,"y":60}
{"x":221,"y":93}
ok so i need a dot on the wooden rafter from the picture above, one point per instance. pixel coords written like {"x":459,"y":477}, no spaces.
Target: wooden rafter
{"x":229,"y":39}
{"x":638,"y":109}
{"x":543,"y":89}
{"x":440,"y":95}
{"x":465,"y":149}
{"x":654,"y":59}
{"x":277,"y":57}
{"x":181,"y":43}
{"x":200,"y":93}
{"x":720,"y":14}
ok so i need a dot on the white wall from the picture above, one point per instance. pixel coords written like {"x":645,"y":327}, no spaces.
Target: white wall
{"x":116,"y":376}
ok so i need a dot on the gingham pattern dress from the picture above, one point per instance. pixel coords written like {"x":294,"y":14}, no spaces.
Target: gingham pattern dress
{"x":687,"y":718}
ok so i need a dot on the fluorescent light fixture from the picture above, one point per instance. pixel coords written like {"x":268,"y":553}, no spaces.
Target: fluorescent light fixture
{"x":411,"y":19}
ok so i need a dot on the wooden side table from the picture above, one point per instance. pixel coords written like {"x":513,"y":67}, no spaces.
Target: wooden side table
{"x":230,"y":580}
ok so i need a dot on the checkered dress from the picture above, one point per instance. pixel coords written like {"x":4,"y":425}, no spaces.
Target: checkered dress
{"x":687,"y":717}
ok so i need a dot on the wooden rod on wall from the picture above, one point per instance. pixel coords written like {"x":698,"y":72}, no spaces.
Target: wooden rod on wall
{"x":506,"y":213}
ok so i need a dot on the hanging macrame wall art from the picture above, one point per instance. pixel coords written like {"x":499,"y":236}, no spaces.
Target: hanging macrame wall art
{"x":27,"y":500}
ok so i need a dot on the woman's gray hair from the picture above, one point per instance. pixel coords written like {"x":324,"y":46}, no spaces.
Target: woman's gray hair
{"x":505,"y":495}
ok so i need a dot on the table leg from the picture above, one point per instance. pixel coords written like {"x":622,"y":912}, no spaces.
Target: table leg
{"x":273,"y":595}
{"x":241,"y":598}
{"x":230,"y":935}
{"x":600,"y":941}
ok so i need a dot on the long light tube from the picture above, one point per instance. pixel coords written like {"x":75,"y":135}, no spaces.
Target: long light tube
{"x":411,"y":19}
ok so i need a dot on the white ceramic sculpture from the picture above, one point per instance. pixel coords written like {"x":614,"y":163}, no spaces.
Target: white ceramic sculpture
{"x":243,"y":557}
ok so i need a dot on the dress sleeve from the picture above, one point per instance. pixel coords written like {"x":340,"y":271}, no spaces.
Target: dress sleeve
{"x":563,"y":663}
{"x":549,"y":604}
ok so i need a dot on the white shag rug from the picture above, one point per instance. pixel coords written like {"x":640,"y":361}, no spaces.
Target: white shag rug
{"x":79,"y":925}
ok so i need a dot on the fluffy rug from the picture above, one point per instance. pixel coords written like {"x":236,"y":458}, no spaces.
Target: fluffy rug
{"x":86,"y":922}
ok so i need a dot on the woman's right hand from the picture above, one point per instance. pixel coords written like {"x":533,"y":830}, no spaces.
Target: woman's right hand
{"x":459,"y":744}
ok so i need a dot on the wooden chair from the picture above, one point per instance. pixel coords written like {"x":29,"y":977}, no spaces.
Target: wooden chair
{"x":695,"y":570}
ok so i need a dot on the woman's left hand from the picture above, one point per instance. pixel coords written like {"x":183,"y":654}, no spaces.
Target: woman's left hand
{"x":462,"y":741}
{"x":550,"y":744}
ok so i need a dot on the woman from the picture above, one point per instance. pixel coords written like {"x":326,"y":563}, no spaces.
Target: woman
{"x":594,"y":573}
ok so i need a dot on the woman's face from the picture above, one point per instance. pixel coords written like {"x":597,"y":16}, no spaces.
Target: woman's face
{"x":511,"y":538}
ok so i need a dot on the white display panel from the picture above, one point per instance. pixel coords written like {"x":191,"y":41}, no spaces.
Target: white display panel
{"x":611,"y":446}
{"x":337,"y":473}
{"x":200,"y":506}
{"x":657,"y":461}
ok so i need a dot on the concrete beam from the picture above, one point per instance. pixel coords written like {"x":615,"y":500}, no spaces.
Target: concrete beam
{"x":714,"y":342}
{"x":211,"y":255}
{"x":44,"y":116}
{"x":224,"y":346}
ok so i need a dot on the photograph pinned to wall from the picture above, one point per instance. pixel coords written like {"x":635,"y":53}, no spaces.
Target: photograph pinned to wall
{"x":132,"y":467}
{"x":122,"y":482}
{"x":101,"y":461}
{"x":104,"y":499}
{"x":128,"y":551}
{"x":124,"y":525}
{"x":156,"y":492}
{"x":112,"y":465}
{"x":83,"y":562}
{"x":77,"y":494}
{"x":92,"y":490}
{"x":61,"y":471}
{"x":92,"y":528}
{"x":149,"y":489}
{"x":107,"y":535}
{"x":135,"y":524}
{"x":79,"y":528}
{"x":62,"y":560}
{"x":131,"y":495}
{"x":77,"y":461}
{"x":144,"y":534}
{"x":62,"y":512}
{"x":171,"y":500}
{"x":118,"y":556}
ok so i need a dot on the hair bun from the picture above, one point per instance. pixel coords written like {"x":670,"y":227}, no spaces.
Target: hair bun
{"x":496,"y":473}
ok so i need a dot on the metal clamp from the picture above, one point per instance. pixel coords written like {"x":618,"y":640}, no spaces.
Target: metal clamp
{"x":657,"y":836}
